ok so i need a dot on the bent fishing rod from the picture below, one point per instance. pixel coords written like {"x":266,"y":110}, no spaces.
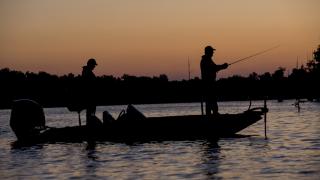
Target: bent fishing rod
{"x":253,"y":55}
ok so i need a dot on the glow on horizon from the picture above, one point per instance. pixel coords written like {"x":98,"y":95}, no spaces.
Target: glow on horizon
{"x":147,"y":37}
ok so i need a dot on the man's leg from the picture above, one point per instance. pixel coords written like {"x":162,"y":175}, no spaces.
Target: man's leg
{"x":91,"y":110}
{"x":208,"y":107}
{"x":214,"y":106}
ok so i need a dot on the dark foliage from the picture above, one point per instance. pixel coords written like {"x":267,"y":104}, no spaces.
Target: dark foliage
{"x":52,"y":91}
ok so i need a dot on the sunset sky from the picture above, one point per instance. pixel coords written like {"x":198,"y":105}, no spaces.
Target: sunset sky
{"x":152,"y":37}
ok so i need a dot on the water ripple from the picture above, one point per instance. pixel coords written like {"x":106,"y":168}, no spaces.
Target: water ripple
{"x":292,"y":150}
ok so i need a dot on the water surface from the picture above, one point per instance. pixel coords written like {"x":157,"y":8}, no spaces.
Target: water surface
{"x":291,"y":151}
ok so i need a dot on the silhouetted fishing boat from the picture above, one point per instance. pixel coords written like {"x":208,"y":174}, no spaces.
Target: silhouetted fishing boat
{"x":28,"y":123}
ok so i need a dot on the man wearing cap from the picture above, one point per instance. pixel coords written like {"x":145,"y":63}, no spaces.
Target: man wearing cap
{"x":89,"y":79}
{"x":209,"y":72}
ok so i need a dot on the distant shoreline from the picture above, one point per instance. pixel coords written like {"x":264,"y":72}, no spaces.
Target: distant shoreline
{"x":68,"y":90}
{"x":291,"y":99}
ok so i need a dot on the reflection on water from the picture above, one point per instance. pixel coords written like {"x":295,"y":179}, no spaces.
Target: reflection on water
{"x":292,"y":150}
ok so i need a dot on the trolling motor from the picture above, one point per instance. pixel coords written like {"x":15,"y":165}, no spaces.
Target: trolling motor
{"x":27,"y":119}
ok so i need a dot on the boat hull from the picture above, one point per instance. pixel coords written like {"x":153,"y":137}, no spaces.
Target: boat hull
{"x":155,"y":128}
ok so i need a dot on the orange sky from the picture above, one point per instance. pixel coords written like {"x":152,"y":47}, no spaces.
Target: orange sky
{"x":149,"y":37}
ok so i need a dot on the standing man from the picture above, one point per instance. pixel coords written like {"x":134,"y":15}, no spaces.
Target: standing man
{"x":89,"y":83}
{"x":209,"y":72}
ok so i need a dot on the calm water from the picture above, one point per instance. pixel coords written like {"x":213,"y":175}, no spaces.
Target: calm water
{"x":292,"y":150}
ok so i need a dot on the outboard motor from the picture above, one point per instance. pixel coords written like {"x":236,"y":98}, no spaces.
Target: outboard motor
{"x":27,"y":119}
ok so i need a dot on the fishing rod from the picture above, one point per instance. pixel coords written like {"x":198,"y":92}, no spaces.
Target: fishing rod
{"x":256,"y":54}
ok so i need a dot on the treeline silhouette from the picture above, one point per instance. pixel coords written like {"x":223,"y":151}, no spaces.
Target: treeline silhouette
{"x":59,"y":91}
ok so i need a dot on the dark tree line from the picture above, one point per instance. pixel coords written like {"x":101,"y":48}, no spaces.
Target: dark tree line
{"x":52,"y":90}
